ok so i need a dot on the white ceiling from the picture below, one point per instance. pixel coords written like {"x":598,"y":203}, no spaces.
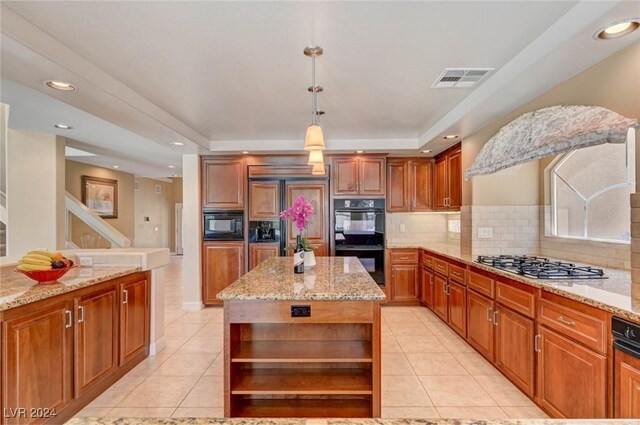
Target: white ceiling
{"x":231,"y":76}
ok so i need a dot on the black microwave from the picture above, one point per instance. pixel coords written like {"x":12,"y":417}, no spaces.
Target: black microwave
{"x":223,"y":226}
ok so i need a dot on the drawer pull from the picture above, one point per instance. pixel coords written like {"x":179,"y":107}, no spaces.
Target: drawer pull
{"x":495,"y":318}
{"x":404,"y":258}
{"x":565,"y":321}
{"x":69,"y":319}
{"x":536,"y":343}
{"x":489,"y":314}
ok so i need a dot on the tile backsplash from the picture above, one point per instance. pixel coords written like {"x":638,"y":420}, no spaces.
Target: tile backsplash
{"x":497,"y":230}
{"x":418,"y":228}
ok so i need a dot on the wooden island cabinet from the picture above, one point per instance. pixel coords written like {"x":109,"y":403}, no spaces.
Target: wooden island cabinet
{"x":61,"y":352}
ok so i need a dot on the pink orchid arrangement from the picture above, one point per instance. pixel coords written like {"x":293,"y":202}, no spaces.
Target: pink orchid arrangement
{"x":299,"y":213}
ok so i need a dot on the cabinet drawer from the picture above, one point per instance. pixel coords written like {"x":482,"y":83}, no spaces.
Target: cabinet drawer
{"x":250,"y":311}
{"x":441,"y":266}
{"x":457,"y":273}
{"x":427,"y":260}
{"x":404,"y":257}
{"x":516,"y":296}
{"x":482,"y":284}
{"x":586,"y":329}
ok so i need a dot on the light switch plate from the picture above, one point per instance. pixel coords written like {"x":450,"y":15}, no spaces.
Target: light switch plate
{"x":402,"y":228}
{"x":85,"y":261}
{"x":485,"y":232}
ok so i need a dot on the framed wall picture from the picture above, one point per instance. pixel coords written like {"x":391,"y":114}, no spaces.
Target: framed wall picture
{"x":100,"y":196}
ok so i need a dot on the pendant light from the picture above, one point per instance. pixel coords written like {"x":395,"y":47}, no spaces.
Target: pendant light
{"x":318,"y":169}
{"x":314,"y":140}
{"x":315,"y":157}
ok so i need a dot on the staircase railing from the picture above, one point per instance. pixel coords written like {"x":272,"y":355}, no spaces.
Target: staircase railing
{"x":93,"y":220}
{"x":4,"y":214}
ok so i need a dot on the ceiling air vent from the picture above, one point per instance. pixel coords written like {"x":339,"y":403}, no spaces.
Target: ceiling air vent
{"x":460,"y":78}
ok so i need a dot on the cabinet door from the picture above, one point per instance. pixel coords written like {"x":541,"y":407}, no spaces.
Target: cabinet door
{"x":404,"y":283}
{"x":480,"y":324}
{"x":223,"y":182}
{"x":440,"y":184}
{"x":264,"y":200}
{"x":514,"y":348}
{"x":316,"y":192}
{"x":134,"y":318}
{"x":440,"y":298}
{"x":626,"y":385}
{"x":371,"y":176}
{"x":454,"y":170}
{"x":259,"y":252}
{"x":421,"y":173}
{"x":458,"y":308}
{"x":571,"y":378}
{"x":426,"y":287}
{"x":223,"y":264}
{"x":37,"y":359}
{"x":345,"y":176}
{"x":96,"y":347}
{"x":397,"y":186}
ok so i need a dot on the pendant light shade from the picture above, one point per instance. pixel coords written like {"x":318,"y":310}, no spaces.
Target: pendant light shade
{"x":314,"y":141}
{"x":315,"y":157}
{"x":318,"y":170}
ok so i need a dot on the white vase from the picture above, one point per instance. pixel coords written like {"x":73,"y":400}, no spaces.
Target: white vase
{"x":309,"y":259}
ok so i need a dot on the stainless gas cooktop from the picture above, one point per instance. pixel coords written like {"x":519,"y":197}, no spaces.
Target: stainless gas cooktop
{"x":541,"y":268}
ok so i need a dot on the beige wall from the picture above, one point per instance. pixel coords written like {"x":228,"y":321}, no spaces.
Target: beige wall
{"x":158,"y":232}
{"x":125,"y":222}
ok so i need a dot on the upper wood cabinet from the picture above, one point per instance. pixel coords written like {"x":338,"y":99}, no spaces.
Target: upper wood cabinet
{"x":222,"y":264}
{"x":448,"y":180}
{"x":359,"y":175}
{"x":409,"y":185}
{"x":223,"y":182}
{"x":264,"y":200}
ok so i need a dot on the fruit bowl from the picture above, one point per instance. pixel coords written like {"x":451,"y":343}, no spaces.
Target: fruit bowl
{"x":46,"y":276}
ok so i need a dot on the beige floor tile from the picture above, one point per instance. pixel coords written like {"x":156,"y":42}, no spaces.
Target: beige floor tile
{"x":93,"y":412}
{"x":502,"y":391}
{"x":524,"y":412}
{"x":150,"y":364}
{"x":174,"y":343}
{"x":217,"y":367}
{"x":475,"y":363}
{"x":420,"y":344}
{"x":410,"y":412}
{"x":390,"y":345}
{"x":198,"y":412}
{"x":435,"y":364}
{"x":403,"y":391}
{"x":455,"y":344}
{"x":160,"y":391}
{"x":185,"y":365}
{"x":202,"y":345}
{"x":171,"y":315}
{"x":117,"y":392}
{"x":211,"y":330}
{"x":208,"y":392}
{"x":442,"y":331}
{"x":402,"y":317}
{"x":141,"y":412}
{"x":396,"y":364}
{"x":447,"y":390}
{"x":484,"y":412}
{"x":409,"y":329}
{"x":178,"y":328}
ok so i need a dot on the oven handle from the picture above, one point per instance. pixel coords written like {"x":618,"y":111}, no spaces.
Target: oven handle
{"x":371,"y":210}
{"x":627,"y":348}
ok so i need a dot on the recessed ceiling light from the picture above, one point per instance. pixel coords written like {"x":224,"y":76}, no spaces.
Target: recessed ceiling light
{"x":63,"y":126}
{"x":426,"y":151}
{"x":171,"y":166}
{"x":359,"y":151}
{"x":245,"y":152}
{"x":177,"y":143}
{"x":617,"y":29}
{"x":451,"y":136}
{"x":116,"y":166}
{"x":59,"y":85}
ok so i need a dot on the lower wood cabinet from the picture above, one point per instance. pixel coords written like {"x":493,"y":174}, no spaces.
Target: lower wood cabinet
{"x":222,"y":264}
{"x":440,"y":298}
{"x":626,"y":385}
{"x":458,"y":308}
{"x":404,"y":282}
{"x":134,"y":318}
{"x":259,"y":252}
{"x":514,"y":348}
{"x":480,"y":327}
{"x":571,"y":378}
{"x":426,"y":287}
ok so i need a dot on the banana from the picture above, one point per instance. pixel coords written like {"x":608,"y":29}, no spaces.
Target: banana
{"x":38,"y":257}
{"x":41,"y":252}
{"x":27,"y":260}
{"x":33,"y":267}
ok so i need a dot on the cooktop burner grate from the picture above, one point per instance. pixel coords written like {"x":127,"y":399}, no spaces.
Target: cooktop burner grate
{"x":540,"y":267}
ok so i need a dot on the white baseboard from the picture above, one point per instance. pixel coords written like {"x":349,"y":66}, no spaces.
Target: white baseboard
{"x":157,"y":346}
{"x":192,"y":306}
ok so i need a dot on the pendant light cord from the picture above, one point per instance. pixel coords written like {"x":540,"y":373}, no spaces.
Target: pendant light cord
{"x":314,"y":102}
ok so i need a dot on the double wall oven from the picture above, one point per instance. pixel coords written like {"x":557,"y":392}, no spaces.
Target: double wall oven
{"x":359,"y":232}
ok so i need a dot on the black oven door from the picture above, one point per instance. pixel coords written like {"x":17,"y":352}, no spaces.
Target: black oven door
{"x":372,"y":258}
{"x":359,"y":227}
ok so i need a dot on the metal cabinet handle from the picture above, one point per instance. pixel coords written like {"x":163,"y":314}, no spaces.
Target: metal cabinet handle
{"x":489,"y":309}
{"x":495,"y":318}
{"x":448,"y":289}
{"x":536,"y":343}
{"x":404,"y":258}
{"x":69,"y":322}
{"x":565,"y":321}
{"x":80,"y":314}
{"x":125,"y":294}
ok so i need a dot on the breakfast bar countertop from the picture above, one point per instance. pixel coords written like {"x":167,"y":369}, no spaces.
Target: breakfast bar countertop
{"x":331,"y":279}
{"x":16,"y":289}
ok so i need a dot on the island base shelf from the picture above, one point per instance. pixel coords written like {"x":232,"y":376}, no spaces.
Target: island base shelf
{"x":304,"y":408}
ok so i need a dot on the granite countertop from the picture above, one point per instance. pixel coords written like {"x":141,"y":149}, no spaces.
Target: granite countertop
{"x":16,"y":289}
{"x":616,"y":294}
{"x":257,"y":421}
{"x":331,"y":279}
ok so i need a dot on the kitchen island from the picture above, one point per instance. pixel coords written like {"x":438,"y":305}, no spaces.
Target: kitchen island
{"x":303,"y":345}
